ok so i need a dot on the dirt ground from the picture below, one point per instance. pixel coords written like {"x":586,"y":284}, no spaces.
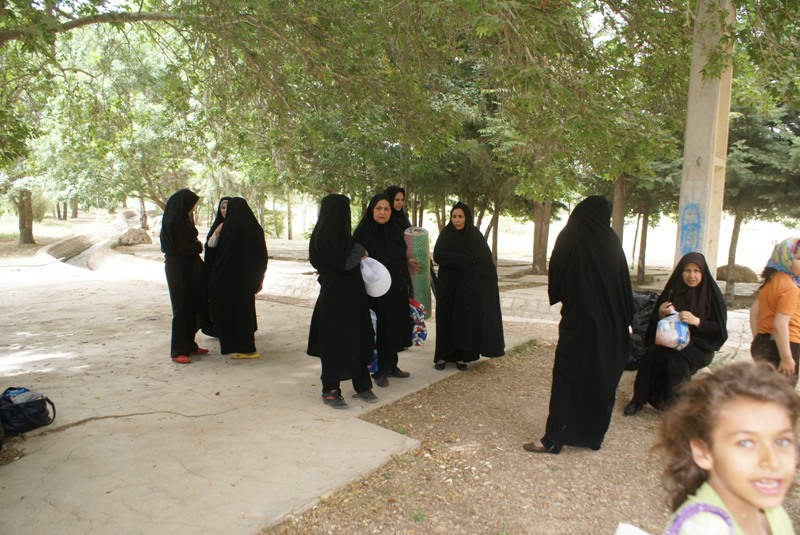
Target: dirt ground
{"x":471,"y":475}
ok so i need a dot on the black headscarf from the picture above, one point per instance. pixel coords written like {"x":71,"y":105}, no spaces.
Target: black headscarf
{"x":178,"y":232}
{"x":400,"y":217}
{"x":211,"y":251}
{"x":468,"y":244}
{"x":331,"y":241}
{"x":383,"y":242}
{"x":218,"y":219}
{"x":241,"y":254}
{"x":704,"y":301}
{"x":583,"y":253}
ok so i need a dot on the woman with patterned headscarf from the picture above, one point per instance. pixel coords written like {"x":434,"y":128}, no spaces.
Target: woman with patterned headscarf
{"x":693,"y":293}
{"x":775,"y":316}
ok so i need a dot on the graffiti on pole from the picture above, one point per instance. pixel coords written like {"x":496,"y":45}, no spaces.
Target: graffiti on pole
{"x":690,"y":225}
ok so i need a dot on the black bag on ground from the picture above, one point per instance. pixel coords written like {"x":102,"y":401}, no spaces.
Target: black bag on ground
{"x":643,"y":305}
{"x":22,"y":410}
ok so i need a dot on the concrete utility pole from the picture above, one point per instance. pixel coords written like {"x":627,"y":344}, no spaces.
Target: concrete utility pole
{"x":706,"y":142}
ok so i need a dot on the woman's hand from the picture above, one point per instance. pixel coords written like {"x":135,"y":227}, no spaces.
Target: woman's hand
{"x":688,"y":318}
{"x":414,"y":266}
{"x":665,"y":309}
{"x":366,"y":254}
{"x":218,"y":229}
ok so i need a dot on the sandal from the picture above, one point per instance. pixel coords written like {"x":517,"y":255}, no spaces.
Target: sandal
{"x":182,"y":359}
{"x":240,"y":356}
{"x":461,"y":366}
{"x":545,"y":445}
{"x":439,"y":364}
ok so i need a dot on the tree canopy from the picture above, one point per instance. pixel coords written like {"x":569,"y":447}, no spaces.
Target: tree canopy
{"x":485,"y":100}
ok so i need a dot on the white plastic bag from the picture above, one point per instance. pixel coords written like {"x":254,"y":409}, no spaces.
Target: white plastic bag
{"x":672,"y":332}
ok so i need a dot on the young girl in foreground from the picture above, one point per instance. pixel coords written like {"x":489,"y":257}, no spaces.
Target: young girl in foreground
{"x":731,"y":452}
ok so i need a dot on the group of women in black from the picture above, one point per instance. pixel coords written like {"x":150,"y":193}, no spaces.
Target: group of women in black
{"x":341,"y":333}
{"x":217,"y":295}
{"x":588,"y":275}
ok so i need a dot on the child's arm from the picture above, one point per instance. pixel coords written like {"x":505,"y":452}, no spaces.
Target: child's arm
{"x":754,"y":318}
{"x":780,"y":331}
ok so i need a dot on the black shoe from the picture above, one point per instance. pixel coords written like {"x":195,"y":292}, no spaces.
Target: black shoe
{"x":334,"y":399}
{"x":439,"y":365}
{"x":368,"y":396}
{"x":461,"y":366}
{"x":632,"y":408}
{"x":381,"y":380}
{"x":400,"y":374}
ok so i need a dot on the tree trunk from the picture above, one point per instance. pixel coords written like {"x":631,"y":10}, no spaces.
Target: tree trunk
{"x":642,"y":246}
{"x":58,"y":212}
{"x":289,"y":216}
{"x":142,"y":215}
{"x":542,"y":212}
{"x":74,"y":205}
{"x":730,"y":284}
{"x":23,"y":202}
{"x":620,"y":205}
{"x":635,"y":236}
{"x":64,"y":211}
{"x":495,"y":234}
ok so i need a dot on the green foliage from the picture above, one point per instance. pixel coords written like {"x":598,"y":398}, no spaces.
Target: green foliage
{"x":274,"y":223}
{"x":498,"y":103}
{"x":763,"y":174}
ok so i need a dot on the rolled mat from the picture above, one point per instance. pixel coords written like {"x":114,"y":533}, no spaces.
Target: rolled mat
{"x":418,"y":247}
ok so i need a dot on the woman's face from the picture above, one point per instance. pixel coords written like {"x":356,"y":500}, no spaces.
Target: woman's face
{"x":692,"y":276}
{"x":223,"y":208}
{"x":381,"y":212}
{"x":399,"y":201}
{"x":458,"y":219}
{"x":796,"y":263}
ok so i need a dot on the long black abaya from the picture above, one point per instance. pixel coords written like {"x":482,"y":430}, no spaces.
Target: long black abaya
{"x":208,"y":265}
{"x":341,"y":332}
{"x":469,"y":322}
{"x":239,"y":266}
{"x":588,"y":274}
{"x":663,"y":370}
{"x":184,"y":271}
{"x":385,"y":243}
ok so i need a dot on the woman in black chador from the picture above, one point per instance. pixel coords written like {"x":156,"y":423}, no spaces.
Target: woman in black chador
{"x":341,"y":329}
{"x":383,"y":240}
{"x":468,"y":318}
{"x":184,"y":271}
{"x":588,"y":275}
{"x":693,"y":293}
{"x":212,"y":239}
{"x":240,"y":261}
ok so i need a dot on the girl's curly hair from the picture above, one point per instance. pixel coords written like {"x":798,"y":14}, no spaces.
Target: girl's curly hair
{"x":697,"y":411}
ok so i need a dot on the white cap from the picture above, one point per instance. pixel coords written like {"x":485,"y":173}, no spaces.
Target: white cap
{"x":376,"y":277}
